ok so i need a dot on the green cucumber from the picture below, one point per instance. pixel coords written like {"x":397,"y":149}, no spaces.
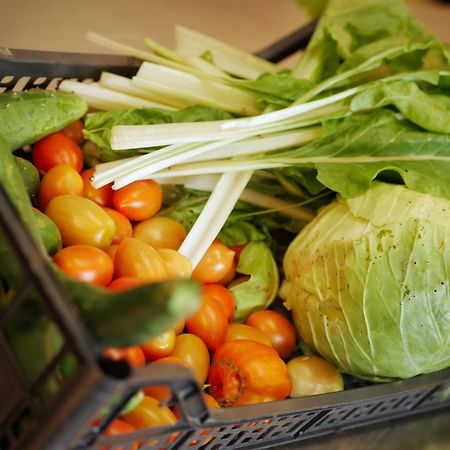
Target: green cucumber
{"x":26,"y":117}
{"x":50,"y":235}
{"x":30,"y":176}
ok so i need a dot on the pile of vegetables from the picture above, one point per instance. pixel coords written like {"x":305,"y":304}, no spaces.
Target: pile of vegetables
{"x":171,"y":210}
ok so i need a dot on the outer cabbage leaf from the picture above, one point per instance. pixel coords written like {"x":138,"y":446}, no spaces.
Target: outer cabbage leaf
{"x":368,"y":283}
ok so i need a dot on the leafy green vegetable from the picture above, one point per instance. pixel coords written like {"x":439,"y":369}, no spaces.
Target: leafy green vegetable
{"x":428,"y":111}
{"x":367,"y":282}
{"x":351,"y":32}
{"x":279,"y":89}
{"x":364,"y":145}
{"x":260,"y":289}
{"x":97,"y":126}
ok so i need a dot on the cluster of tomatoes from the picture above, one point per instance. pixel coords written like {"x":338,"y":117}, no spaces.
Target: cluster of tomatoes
{"x":113,"y":238}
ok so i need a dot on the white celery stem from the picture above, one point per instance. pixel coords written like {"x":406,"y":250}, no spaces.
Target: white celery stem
{"x":214,"y":214}
{"x":230,"y":59}
{"x":105,"y":99}
{"x":139,"y":136}
{"x":123,"y":84}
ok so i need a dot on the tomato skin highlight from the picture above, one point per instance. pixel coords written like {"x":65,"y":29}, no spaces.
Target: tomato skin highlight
{"x":209,"y":322}
{"x":81,"y":221}
{"x":223,"y":296}
{"x":215,"y":264}
{"x":245,"y":372}
{"x":123,"y":225}
{"x":56,"y":149}
{"x":280,"y":331}
{"x":139,"y":200}
{"x":59,"y":180}
{"x":85,"y":263}
{"x":133,"y":355}
{"x":150,"y":414}
{"x":102,"y":196}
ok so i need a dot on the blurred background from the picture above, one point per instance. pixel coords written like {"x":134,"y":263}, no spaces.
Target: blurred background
{"x":249,"y":24}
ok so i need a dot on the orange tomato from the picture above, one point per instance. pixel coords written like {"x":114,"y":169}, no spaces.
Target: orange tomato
{"x":209,"y":322}
{"x":159,"y":346}
{"x":245,"y":372}
{"x":160,"y":232}
{"x":85,"y":263}
{"x":124,"y":283}
{"x":111,"y":252}
{"x":59,"y":180}
{"x":148,"y":413}
{"x":133,"y":355}
{"x":137,"y":259}
{"x":139,"y":200}
{"x":223,"y":296}
{"x":179,"y":326}
{"x":193,"y":351}
{"x":117,"y":427}
{"x":123,"y":225}
{"x":210,"y":401}
{"x":280,"y":331}
{"x":215,"y":264}
{"x":75,"y":131}
{"x":56,"y":149}
{"x":229,"y":277}
{"x":102,"y":196}
{"x":240,"y":331}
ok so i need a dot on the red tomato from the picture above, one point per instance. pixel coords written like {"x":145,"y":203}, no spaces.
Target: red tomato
{"x":133,"y":355}
{"x":59,"y":180}
{"x":223,"y":296}
{"x":246,"y":372}
{"x":123,"y":225}
{"x":102,"y":196}
{"x":237,"y":251}
{"x":57,"y":149}
{"x":215,"y":264}
{"x":148,"y":413}
{"x":159,"y":346}
{"x":240,"y":331}
{"x":139,"y":200}
{"x":117,"y":427}
{"x":75,"y":131}
{"x":85,"y":263}
{"x":280,"y":331}
{"x":193,"y":351}
{"x":209,"y":322}
{"x":123,"y":283}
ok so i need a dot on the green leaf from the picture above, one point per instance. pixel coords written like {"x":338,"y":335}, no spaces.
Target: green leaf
{"x":428,"y":111}
{"x":97,"y":127}
{"x":365,"y":145}
{"x":259,"y":291}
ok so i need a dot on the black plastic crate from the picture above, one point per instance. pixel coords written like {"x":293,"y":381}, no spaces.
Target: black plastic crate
{"x":51,"y":404}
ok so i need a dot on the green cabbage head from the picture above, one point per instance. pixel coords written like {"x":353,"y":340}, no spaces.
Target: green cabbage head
{"x":368,"y":283}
